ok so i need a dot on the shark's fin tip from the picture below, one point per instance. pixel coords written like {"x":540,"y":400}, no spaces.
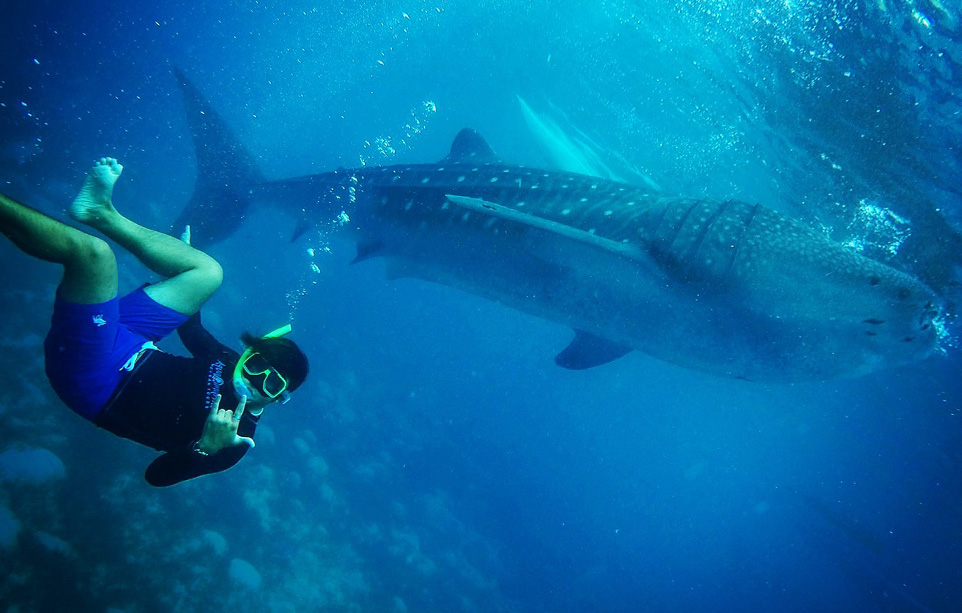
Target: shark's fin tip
{"x":299,"y":230}
{"x":469,"y":147}
{"x":587,"y":351}
{"x":367,"y":250}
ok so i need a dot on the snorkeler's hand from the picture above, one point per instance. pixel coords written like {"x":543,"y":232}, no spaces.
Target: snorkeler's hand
{"x":220,"y":430}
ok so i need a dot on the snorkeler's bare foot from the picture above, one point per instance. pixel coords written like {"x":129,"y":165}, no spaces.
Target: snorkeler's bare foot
{"x":94,"y":200}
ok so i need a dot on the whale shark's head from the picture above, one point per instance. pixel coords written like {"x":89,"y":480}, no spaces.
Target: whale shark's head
{"x":853,"y":315}
{"x":907,"y":319}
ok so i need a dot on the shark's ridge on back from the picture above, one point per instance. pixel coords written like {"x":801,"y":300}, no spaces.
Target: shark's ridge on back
{"x":726,"y":287}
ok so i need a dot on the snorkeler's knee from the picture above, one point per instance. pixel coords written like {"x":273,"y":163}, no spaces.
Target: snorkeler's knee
{"x":94,"y":253}
{"x":207,"y":278}
{"x":213,"y":274}
{"x":90,"y":273}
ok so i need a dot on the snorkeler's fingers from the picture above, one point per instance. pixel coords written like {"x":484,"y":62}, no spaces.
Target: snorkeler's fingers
{"x":213,"y":409}
{"x":244,"y":440}
{"x":239,"y":411}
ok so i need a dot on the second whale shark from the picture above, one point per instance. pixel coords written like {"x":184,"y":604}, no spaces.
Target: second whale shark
{"x":724,"y":287}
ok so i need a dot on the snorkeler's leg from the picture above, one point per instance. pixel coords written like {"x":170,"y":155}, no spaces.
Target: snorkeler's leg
{"x":90,"y":269}
{"x":192,"y":276}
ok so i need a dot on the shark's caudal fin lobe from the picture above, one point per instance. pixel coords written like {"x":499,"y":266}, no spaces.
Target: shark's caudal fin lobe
{"x":587,"y":351}
{"x":300,"y":229}
{"x":470,"y":148}
{"x":367,"y":249}
{"x":226,"y":172}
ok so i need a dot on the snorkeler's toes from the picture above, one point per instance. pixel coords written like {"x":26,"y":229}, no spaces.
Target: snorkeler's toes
{"x":95,"y":194}
{"x":110,"y":164}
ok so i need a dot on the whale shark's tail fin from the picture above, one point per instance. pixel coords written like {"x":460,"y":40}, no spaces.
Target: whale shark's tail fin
{"x":226,"y":173}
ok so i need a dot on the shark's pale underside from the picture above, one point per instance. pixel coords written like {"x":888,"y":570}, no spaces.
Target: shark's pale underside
{"x":725,"y":287}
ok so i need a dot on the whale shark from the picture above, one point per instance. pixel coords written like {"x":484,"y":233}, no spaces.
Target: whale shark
{"x":720,"y":286}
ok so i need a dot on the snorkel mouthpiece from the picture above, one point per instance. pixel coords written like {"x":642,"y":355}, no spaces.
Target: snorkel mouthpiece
{"x":242,"y":389}
{"x":240,"y":385}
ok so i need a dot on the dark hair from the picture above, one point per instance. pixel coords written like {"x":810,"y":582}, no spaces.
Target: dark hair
{"x":282,"y":354}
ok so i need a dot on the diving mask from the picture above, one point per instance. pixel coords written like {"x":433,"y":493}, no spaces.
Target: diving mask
{"x":273,"y":384}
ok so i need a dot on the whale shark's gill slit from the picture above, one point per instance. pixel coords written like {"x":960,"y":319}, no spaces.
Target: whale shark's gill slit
{"x":746,"y":228}
{"x":682,"y":222}
{"x":706,"y":228}
{"x":656,"y":230}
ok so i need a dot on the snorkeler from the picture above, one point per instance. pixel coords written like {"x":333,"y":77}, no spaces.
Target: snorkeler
{"x":100,"y":354}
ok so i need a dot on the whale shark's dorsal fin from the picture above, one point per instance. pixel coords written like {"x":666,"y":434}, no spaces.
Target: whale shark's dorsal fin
{"x":588,"y":350}
{"x":470,"y":148}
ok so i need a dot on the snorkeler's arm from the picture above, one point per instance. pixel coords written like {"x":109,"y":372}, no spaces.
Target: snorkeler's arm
{"x":185,"y":463}
{"x":201,"y":343}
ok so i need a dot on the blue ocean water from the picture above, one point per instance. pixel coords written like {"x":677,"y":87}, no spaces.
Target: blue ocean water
{"x":437,"y":460}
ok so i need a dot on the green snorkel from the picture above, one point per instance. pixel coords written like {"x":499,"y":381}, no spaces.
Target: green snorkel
{"x":241,"y":385}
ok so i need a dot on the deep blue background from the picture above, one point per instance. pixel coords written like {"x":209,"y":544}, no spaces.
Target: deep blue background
{"x":437,"y":460}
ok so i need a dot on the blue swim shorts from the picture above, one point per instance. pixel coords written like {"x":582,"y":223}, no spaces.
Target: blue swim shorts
{"x":89,"y":344}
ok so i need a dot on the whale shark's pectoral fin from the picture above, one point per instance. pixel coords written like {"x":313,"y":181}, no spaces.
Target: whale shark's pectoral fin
{"x":483,"y":207}
{"x":588,"y":351}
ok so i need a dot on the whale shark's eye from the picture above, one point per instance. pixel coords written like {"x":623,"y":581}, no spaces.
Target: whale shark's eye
{"x":874,"y":280}
{"x":904,"y":293}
